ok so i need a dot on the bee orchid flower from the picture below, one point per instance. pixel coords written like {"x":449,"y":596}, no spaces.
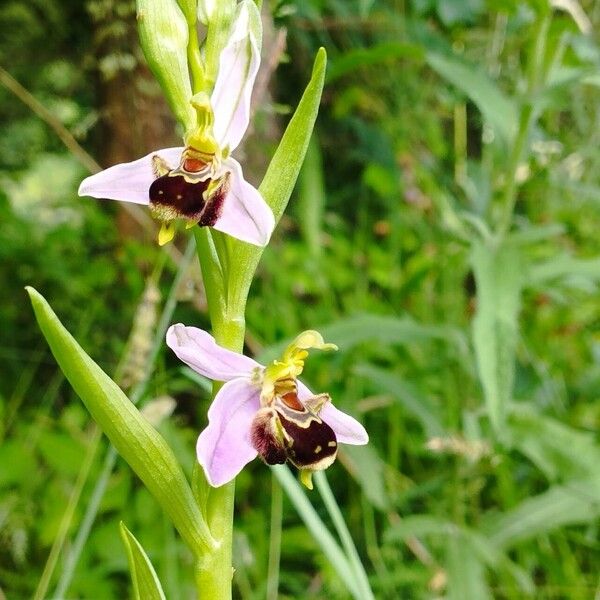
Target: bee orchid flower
{"x":200,"y":182}
{"x":263,"y":410}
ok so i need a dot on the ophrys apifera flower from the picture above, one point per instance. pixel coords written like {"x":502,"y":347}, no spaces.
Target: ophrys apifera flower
{"x":201,"y":182}
{"x":263,"y":410}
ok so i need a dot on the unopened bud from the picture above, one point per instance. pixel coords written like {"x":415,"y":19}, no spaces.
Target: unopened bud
{"x":164,"y":35}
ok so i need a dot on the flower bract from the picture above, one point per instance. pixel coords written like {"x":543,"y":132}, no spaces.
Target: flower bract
{"x":263,"y":410}
{"x":200,"y":182}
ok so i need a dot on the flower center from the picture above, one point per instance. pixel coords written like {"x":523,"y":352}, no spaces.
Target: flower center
{"x":202,"y":138}
{"x":279,"y":377}
{"x":196,"y":189}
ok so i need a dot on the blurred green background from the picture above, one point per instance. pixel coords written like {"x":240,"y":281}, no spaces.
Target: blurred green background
{"x":474,"y":365}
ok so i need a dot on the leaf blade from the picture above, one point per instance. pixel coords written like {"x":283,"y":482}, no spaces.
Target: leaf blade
{"x":146,"y":585}
{"x":498,"y":275}
{"x":499,"y":110}
{"x":135,"y":439}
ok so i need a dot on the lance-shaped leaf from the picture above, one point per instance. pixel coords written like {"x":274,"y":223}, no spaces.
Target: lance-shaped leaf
{"x":497,"y":109}
{"x":574,"y":503}
{"x":499,"y":281}
{"x":280,"y":178}
{"x":164,"y":36}
{"x":284,"y":168}
{"x":134,"y":438}
{"x":146,"y":585}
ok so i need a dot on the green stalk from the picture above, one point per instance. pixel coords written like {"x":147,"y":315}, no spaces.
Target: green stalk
{"x":214,"y":571}
{"x":527,"y":115}
{"x":274,"y":539}
{"x":345,"y":537}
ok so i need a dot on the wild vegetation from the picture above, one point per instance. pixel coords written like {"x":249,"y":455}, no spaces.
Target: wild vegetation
{"x":443,"y":234}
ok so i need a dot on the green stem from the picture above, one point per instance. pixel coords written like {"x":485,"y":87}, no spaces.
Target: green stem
{"x":212,"y":272}
{"x":195,"y":61}
{"x":342,"y":530}
{"x":535,"y":79}
{"x":63,"y":530}
{"x":227,"y":283}
{"x":274,"y":539}
{"x":214,"y":571}
{"x":510,"y":193}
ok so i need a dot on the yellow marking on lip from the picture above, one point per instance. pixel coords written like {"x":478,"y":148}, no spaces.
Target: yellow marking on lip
{"x":332,"y":444}
{"x":318,"y":449}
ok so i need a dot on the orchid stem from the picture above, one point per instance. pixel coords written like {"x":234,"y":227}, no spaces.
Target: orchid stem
{"x":214,"y":571}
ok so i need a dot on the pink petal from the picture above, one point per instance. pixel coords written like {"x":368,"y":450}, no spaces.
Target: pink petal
{"x":238,"y":66}
{"x":224,"y":447}
{"x":130,"y":181}
{"x":347,"y":429}
{"x":246,"y":216}
{"x":198,"y":349}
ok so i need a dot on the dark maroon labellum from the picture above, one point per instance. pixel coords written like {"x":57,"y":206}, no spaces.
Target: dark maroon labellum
{"x":265,"y":439}
{"x":288,"y":430}
{"x":174,"y":196}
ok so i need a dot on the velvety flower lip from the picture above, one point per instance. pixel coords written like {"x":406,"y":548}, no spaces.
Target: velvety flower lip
{"x":216,"y":185}
{"x":225,"y":445}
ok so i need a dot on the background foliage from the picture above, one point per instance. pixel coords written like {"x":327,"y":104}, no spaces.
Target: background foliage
{"x":474,"y":363}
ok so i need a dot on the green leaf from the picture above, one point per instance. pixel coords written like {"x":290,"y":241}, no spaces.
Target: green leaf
{"x":473,"y":543}
{"x":565,"y":269}
{"x":466,"y":573}
{"x":146,"y":585}
{"x":407,"y":395}
{"x":570,"y":504}
{"x":452,"y":13}
{"x":278,"y":182}
{"x":465,"y":570}
{"x":419,"y":525}
{"x":134,"y":438}
{"x":560,"y":451}
{"x":366,"y":57}
{"x":356,"y":329}
{"x":496,"y":108}
{"x":164,"y":36}
{"x":498,"y":276}
{"x":321,"y":534}
{"x":369,"y":472}
{"x":497,"y":560}
{"x":360,"y":328}
{"x":280,"y":178}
